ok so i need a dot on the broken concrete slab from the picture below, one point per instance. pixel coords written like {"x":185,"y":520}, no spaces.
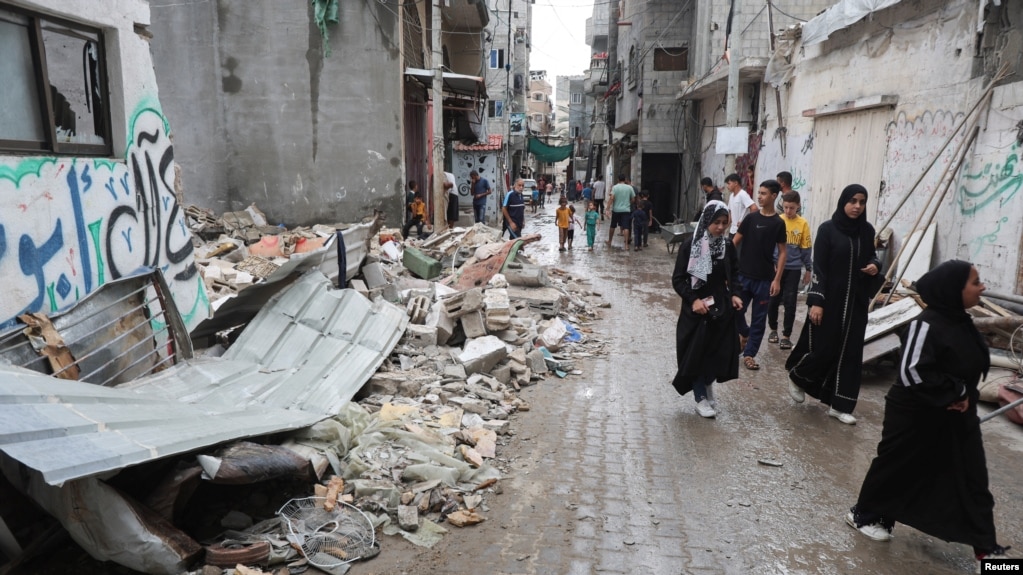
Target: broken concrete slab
{"x":497,"y":309}
{"x":481,"y":354}
{"x":473,"y":325}
{"x":408,"y":517}
{"x":439,"y":318}
{"x":546,"y":301}
{"x":374,"y":275}
{"x":420,"y":335}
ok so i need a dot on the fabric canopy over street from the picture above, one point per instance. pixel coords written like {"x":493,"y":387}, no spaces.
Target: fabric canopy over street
{"x":548,"y":154}
{"x":841,"y":15}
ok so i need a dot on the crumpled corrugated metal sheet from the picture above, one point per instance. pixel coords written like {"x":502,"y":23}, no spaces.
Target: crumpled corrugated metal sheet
{"x":309,"y":349}
{"x":842,"y":15}
{"x":301,"y":359}
{"x":70,"y":429}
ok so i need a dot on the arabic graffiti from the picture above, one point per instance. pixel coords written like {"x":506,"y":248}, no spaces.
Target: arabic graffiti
{"x":993,"y":182}
{"x":80,"y":223}
{"x":978,"y":243}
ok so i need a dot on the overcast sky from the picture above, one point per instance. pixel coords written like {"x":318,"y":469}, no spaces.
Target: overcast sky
{"x":559,"y":37}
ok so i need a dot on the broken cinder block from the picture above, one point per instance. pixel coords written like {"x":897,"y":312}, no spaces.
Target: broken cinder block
{"x":418,"y":308}
{"x":439,"y":318}
{"x":473,"y":325}
{"x":464,"y":302}
{"x":421,"y":335}
{"x":497,"y":309}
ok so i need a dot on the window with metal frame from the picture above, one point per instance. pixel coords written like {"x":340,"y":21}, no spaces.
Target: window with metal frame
{"x":496,"y":59}
{"x":495,"y":108}
{"x":577,"y":98}
{"x":54,"y":92}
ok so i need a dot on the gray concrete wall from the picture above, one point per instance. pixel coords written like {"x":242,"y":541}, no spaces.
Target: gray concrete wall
{"x":262,"y":116}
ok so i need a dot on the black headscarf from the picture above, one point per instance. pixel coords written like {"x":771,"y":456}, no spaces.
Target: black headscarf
{"x":849,"y":226}
{"x":942,"y":288}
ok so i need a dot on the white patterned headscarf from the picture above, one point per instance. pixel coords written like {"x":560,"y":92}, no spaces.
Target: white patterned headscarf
{"x":706,"y":248}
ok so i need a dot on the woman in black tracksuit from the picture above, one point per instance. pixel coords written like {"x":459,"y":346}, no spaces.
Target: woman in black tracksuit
{"x":930,"y":471}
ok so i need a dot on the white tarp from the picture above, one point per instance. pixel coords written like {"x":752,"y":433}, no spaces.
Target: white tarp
{"x":843,"y":14}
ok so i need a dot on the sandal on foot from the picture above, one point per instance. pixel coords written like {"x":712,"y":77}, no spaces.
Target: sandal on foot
{"x":785,"y":343}
{"x":772,"y":337}
{"x":750,"y":363}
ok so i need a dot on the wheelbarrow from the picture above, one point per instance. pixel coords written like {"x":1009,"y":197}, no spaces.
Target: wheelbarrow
{"x":676,"y":233}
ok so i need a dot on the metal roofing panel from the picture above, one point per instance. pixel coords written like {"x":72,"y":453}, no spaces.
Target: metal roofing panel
{"x":301,"y":359}
{"x":69,"y":429}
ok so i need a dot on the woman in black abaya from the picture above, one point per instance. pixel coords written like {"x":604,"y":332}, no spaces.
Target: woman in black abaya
{"x":706,"y":341}
{"x":827,"y":359}
{"x":930,"y":471}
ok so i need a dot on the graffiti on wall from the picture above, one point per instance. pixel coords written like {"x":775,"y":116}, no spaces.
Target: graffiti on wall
{"x":912,"y":143}
{"x":485,"y":163}
{"x":992,"y":184}
{"x":80,"y":223}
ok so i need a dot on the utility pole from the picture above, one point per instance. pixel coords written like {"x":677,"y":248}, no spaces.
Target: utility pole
{"x":440,"y":199}
{"x":734,"y":55}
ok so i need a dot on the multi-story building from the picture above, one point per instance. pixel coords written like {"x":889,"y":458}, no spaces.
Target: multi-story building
{"x":540,"y":117}
{"x":595,"y":84}
{"x":571,"y":124}
{"x":323,"y":126}
{"x":506,"y":58}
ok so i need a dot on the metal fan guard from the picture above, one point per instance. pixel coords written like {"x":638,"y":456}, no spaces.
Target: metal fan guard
{"x":328,"y":538}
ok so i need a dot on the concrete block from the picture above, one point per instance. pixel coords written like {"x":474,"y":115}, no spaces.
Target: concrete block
{"x":473,"y":325}
{"x":496,"y":309}
{"x":420,"y":264}
{"x":546,"y":301}
{"x":470,"y":405}
{"x":525,"y":275}
{"x":418,"y":308}
{"x":482,"y":354}
{"x":359,"y":286}
{"x":408,"y":517}
{"x":439,"y":318}
{"x":454,"y":371}
{"x":384,"y":383}
{"x":391,"y":293}
{"x":464,"y":302}
{"x":421,"y":335}
{"x":501,"y":373}
{"x":553,"y":335}
{"x":374,"y":275}
{"x":536,"y":362}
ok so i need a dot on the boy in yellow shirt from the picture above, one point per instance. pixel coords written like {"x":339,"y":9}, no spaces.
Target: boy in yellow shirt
{"x":564,"y":219}
{"x":418,"y":209}
{"x":799,"y":253}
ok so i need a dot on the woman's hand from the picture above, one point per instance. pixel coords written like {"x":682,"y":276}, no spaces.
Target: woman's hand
{"x":816,"y":314}
{"x":870,"y":270}
{"x":736,"y":302}
{"x":961,"y":406}
{"x":699,"y":308}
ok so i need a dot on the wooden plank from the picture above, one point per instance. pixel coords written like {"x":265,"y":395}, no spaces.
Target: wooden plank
{"x":891,"y":317}
{"x":995,"y":307}
{"x":880,"y":347}
{"x":920,"y":263}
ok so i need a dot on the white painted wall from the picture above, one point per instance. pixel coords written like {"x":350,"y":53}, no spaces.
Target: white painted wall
{"x":71,"y":224}
{"x":926,"y":59}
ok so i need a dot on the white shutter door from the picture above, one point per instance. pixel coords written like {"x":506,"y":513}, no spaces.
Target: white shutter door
{"x":847,"y":149}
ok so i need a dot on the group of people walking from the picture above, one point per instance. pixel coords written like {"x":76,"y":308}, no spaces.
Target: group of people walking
{"x":930,"y":470}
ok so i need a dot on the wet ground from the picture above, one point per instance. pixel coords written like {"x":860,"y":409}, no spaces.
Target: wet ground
{"x":614,"y":473}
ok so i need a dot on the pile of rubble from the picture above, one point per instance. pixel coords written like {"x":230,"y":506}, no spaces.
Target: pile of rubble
{"x":418,"y":447}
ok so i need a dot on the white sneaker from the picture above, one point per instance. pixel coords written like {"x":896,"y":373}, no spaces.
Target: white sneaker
{"x":846,"y":418}
{"x":710,"y":397}
{"x":704,"y":409}
{"x":874,"y":531}
{"x":796,"y":393}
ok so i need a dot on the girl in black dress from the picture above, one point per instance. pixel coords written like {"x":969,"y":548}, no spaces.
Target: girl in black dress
{"x":706,"y":341}
{"x":827,"y":360}
{"x":930,"y":472}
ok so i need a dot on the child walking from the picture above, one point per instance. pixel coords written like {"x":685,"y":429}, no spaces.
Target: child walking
{"x":592,"y":218}
{"x":798,"y":255}
{"x":573,"y":221}
{"x":640,"y":220}
{"x":564,"y":220}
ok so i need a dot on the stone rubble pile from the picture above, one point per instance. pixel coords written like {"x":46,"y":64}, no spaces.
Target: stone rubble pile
{"x":419,"y":445}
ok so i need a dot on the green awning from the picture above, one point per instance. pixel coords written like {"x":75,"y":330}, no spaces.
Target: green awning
{"x":548,"y":154}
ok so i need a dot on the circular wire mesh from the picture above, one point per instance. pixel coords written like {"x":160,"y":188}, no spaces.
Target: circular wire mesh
{"x":328,"y":538}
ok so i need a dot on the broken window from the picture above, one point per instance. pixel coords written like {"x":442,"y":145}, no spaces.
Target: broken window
{"x":54,"y":89}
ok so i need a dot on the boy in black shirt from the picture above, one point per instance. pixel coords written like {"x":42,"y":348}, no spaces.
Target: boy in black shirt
{"x":759,"y":234}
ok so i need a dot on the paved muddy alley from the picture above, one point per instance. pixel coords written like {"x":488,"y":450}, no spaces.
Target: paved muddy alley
{"x":613,"y":472}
